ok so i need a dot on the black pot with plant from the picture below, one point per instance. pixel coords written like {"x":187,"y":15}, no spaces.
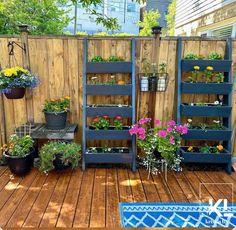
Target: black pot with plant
{"x":153,"y":78}
{"x":55,"y":112}
{"x":19,"y":154}
{"x":59,"y":156}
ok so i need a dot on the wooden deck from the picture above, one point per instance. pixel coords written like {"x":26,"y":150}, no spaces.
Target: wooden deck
{"x":91,"y":198}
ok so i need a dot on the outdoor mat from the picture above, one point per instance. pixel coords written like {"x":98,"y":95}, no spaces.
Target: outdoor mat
{"x":177,"y":215}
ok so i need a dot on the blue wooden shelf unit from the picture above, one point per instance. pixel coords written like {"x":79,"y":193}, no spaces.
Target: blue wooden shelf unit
{"x":224,"y":111}
{"x":93,"y":111}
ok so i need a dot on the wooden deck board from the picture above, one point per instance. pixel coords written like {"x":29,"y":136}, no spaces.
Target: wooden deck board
{"x":91,"y":199}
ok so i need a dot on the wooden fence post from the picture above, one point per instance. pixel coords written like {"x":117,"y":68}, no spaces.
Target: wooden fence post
{"x":26,"y":64}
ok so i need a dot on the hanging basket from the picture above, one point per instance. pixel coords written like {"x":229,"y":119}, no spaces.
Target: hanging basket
{"x":15,"y":93}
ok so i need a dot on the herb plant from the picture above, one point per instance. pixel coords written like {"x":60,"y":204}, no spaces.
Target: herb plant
{"x":57,"y":105}
{"x":115,"y":59}
{"x":145,"y":66}
{"x":16,"y":77}
{"x":162,"y":68}
{"x":191,"y":56}
{"x":219,"y":77}
{"x":118,"y":123}
{"x":97,"y":59}
{"x":18,"y":146}
{"x":215,"y":56}
{"x":70,"y":155}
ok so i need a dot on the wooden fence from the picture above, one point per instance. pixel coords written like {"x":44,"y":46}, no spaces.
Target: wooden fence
{"x":59,"y":63}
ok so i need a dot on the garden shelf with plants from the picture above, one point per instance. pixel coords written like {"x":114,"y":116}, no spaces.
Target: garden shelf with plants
{"x":206,"y":75}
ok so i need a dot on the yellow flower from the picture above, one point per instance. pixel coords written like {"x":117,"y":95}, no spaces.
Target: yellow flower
{"x":190,"y":148}
{"x":210,"y":68}
{"x":22,"y":70}
{"x":219,"y":147}
{"x":67,"y":97}
{"x":196,"y":67}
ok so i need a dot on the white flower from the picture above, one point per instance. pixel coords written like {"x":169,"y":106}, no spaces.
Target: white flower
{"x":94,"y":78}
{"x":216,"y":102}
{"x":190,"y":120}
{"x":112,"y":76}
{"x":217,"y":122}
{"x":192,"y":104}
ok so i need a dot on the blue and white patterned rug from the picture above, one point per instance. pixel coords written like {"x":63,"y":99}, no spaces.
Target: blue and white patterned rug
{"x":176,"y":215}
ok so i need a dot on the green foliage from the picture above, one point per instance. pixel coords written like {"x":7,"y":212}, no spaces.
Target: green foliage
{"x":215,"y":56}
{"x":101,"y":34}
{"x":170,"y":18}
{"x":162,"y":68}
{"x":43,"y":17}
{"x":97,"y":58}
{"x":122,"y":35}
{"x":118,"y":123}
{"x":146,"y":66}
{"x":150,"y":19}
{"x":82,"y":33}
{"x":57,"y":106}
{"x":18,"y":146}
{"x":191,"y":56}
{"x":101,"y":122}
{"x":70,"y":155}
{"x":220,"y":77}
{"x":114,"y":59}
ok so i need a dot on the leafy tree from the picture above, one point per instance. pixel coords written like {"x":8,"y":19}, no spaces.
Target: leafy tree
{"x":43,"y":16}
{"x":170,"y":18}
{"x":150,"y":19}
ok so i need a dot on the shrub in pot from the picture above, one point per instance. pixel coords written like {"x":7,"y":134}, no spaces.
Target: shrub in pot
{"x":162,"y":77}
{"x":59,"y":156}
{"x":14,"y":82}
{"x":18,"y":154}
{"x":144,"y":82}
{"x":55,"y":112}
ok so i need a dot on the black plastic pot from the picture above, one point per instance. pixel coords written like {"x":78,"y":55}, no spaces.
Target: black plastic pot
{"x":157,"y":154}
{"x":19,"y":166}
{"x":16,"y":93}
{"x":152,"y":83}
{"x":55,"y":121}
{"x":59,"y":164}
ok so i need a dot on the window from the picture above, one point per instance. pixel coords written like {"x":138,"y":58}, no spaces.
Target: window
{"x":223,"y":32}
{"x":131,"y":7}
{"x":115,"y":6}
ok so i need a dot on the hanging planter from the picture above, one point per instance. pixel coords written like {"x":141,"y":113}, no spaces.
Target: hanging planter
{"x":55,"y":112}
{"x":14,"y":82}
{"x":153,"y":83}
{"x":144,"y":83}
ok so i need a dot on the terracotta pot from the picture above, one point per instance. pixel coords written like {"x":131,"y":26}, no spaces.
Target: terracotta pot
{"x":16,"y":93}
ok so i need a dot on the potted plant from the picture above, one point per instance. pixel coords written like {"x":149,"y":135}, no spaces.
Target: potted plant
{"x":14,"y":82}
{"x":162,"y":77}
{"x":55,"y":112}
{"x":159,"y":142}
{"x":59,"y":156}
{"x":100,"y":123}
{"x":118,"y":123}
{"x":153,"y":78}
{"x":18,"y":154}
{"x":144,"y":78}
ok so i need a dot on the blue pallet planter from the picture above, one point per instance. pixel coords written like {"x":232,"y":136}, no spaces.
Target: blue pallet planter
{"x":218,"y":135}
{"x":108,"y":134}
{"x":109,"y":111}
{"x":109,"y":67}
{"x":206,"y":88}
{"x":94,"y":90}
{"x":218,"y":65}
{"x":205,"y":111}
{"x":193,"y":157}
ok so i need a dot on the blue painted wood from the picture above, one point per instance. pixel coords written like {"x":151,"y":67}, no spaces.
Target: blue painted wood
{"x":109,"y":89}
{"x":206,"y":88}
{"x":218,"y":135}
{"x":108,"y":134}
{"x":179,"y":56}
{"x":218,"y":65}
{"x":109,"y":67}
{"x":205,"y":111}
{"x":109,"y":111}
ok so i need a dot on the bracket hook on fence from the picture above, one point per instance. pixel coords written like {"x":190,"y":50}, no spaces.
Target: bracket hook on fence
{"x":11,"y":47}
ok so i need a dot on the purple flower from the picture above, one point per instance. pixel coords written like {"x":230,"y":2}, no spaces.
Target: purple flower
{"x":162,"y":133}
{"x":134,"y":130}
{"x":171,"y":123}
{"x":157,"y":122}
{"x":169,"y":130}
{"x":143,"y":121}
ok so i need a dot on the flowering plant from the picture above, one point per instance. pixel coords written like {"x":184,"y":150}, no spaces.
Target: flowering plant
{"x":57,"y":105}
{"x":101,"y":122}
{"x":16,"y":77}
{"x":118,"y":123}
{"x":194,"y":74}
{"x":164,"y":140}
{"x":208,"y":74}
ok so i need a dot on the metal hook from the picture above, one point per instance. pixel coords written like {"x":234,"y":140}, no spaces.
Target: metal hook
{"x":11,"y":45}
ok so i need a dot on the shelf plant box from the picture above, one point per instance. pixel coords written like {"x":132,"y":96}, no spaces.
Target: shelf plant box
{"x":205,"y":111}
{"x":109,"y":89}
{"x":208,"y":134}
{"x":206,"y":88}
{"x":109,"y":67}
{"x":218,"y":65}
{"x":199,"y":157}
{"x":109,"y":111}
{"x":92,"y":134}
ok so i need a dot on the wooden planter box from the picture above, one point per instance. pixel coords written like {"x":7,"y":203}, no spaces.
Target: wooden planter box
{"x":219,"y":135}
{"x":109,"y":67}
{"x":205,"y":111}
{"x":109,"y":111}
{"x":206,"y":88}
{"x":197,"y":157}
{"x":109,"y":89}
{"x":218,"y":65}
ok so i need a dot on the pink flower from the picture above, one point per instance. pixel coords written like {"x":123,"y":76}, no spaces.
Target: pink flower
{"x":143,"y":121}
{"x":172,"y":140}
{"x":182,"y":129}
{"x":171,"y":123}
{"x":162,"y":133}
{"x":169,"y":130}
{"x":142,"y":137}
{"x":118,"y":117}
{"x":134,"y":130}
{"x":157,"y":122}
